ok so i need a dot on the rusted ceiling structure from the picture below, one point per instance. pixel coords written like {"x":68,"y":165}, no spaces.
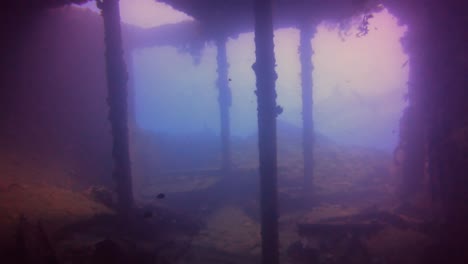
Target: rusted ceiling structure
{"x":34,"y":4}
{"x":230,"y":18}
{"x":234,"y":16}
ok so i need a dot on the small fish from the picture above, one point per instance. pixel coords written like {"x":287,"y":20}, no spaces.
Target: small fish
{"x":161,"y":196}
{"x":279,"y":110}
{"x":229,"y":79}
{"x":147,"y":214}
{"x":404,"y":64}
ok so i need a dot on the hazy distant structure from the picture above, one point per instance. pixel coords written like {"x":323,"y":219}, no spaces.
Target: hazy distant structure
{"x":225,"y":100}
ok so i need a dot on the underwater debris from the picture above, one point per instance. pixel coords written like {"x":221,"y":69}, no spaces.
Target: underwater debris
{"x":364,"y":26}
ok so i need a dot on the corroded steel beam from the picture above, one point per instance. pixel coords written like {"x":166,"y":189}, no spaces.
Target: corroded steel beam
{"x":266,"y":76}
{"x":117,"y":78}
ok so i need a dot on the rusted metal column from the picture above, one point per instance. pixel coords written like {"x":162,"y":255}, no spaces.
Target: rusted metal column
{"x":305,"y":52}
{"x":225,"y":100}
{"x":413,"y":124}
{"x":266,"y":76}
{"x":131,"y":92}
{"x":117,"y":99}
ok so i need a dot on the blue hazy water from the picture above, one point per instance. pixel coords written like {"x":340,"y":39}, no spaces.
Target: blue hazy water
{"x":175,"y":96}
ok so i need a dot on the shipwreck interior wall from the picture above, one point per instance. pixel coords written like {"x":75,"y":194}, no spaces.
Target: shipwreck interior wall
{"x":446,"y":108}
{"x":436,"y":120}
{"x":53,"y":96}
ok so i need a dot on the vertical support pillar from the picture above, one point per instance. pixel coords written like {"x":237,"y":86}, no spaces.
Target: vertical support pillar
{"x":414,"y":125}
{"x":137,"y":182}
{"x":225,"y":100}
{"x":117,"y":99}
{"x":305,"y":53}
{"x":266,"y":76}
{"x":131,"y":108}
